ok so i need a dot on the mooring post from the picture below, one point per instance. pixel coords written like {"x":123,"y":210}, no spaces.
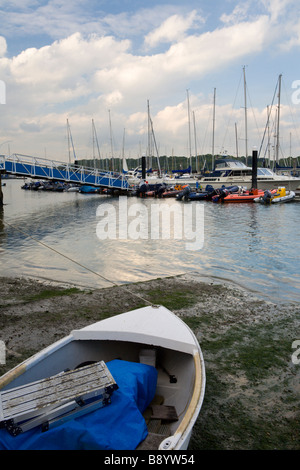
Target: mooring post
{"x":254,"y":169}
{"x":143,"y":168}
{"x":1,"y":193}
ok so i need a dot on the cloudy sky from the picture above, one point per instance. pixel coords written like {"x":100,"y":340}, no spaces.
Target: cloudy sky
{"x":102,"y":60}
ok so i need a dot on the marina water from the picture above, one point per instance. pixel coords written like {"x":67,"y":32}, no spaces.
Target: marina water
{"x":55,"y":236}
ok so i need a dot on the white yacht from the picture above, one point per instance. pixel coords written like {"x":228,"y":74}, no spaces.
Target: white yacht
{"x":231,"y":172}
{"x":154,"y":178}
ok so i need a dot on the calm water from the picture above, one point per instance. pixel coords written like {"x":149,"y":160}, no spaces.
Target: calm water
{"x":254,"y":246}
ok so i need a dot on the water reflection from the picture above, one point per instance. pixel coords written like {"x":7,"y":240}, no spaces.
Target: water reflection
{"x":252,"y":245}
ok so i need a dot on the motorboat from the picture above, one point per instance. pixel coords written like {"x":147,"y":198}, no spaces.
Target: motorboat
{"x":280,"y":196}
{"x":234,"y":172}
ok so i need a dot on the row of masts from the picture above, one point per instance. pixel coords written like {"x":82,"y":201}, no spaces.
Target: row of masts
{"x":152,"y":140}
{"x":276,"y":145}
{"x":213,"y":127}
{"x":71,"y":148}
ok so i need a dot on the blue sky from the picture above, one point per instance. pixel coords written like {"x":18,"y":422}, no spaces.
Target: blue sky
{"x":89,"y":59}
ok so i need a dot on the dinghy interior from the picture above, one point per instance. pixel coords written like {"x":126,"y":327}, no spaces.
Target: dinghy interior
{"x":153,"y":338}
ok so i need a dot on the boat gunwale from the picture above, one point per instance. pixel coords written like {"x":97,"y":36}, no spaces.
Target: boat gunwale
{"x":190,"y":416}
{"x":31,"y":361}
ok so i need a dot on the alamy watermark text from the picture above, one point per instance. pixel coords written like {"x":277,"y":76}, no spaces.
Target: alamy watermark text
{"x":296,"y":93}
{"x":158,"y":220}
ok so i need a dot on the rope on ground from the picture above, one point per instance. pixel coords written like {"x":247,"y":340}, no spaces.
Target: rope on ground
{"x":79,"y":264}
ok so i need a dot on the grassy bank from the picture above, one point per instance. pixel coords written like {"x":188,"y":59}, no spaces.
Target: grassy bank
{"x":252,"y":386}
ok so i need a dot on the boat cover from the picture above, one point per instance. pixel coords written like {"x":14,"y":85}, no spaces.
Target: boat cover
{"x":118,"y":426}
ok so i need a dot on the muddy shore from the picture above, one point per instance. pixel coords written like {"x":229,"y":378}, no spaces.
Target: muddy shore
{"x":252,"y":384}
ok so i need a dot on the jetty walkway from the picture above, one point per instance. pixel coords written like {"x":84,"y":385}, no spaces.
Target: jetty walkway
{"x":33,"y":167}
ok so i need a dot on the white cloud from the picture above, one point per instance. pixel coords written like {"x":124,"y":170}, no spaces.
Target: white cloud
{"x":3,"y":46}
{"x":64,"y":70}
{"x":63,"y":60}
{"x":237,"y":15}
{"x":59,"y":19}
{"x":173,"y":29}
{"x":82,"y":76}
{"x":56,"y":18}
{"x":212,"y":50}
{"x":276,"y":8}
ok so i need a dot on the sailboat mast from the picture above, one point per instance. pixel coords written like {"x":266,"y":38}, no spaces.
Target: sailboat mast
{"x":150,"y":129}
{"x":149,"y":152}
{"x":95,"y":139}
{"x":189,"y":122}
{"x":157,"y":153}
{"x":125,"y":168}
{"x":123,"y":145}
{"x":269,"y":143}
{"x":68,"y":133}
{"x":111,"y":142}
{"x":213,"y":133}
{"x":246,"y":124}
{"x":70,"y":139}
{"x":197,"y":169}
{"x":236,"y":141}
{"x":278,"y":120}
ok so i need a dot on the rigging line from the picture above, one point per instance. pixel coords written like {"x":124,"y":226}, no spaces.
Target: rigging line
{"x":254,"y":117}
{"x":232,"y":110}
{"x":268,"y":119}
{"x":79,"y":264}
{"x":206,"y":130}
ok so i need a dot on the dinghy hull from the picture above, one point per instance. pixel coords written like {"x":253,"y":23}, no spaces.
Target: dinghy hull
{"x":148,"y":334}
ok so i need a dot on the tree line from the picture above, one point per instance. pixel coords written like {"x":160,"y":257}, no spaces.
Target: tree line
{"x":167,"y":164}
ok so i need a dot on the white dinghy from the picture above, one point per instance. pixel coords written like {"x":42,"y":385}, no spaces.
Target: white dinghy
{"x":145,"y":391}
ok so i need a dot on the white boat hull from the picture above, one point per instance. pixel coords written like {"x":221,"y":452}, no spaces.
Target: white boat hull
{"x":232,"y":172}
{"x":168,"y":181}
{"x":219,"y":182}
{"x":262,"y":183}
{"x":125,"y":336}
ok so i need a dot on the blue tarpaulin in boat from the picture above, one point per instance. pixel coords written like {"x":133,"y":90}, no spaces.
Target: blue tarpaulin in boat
{"x":118,"y":426}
